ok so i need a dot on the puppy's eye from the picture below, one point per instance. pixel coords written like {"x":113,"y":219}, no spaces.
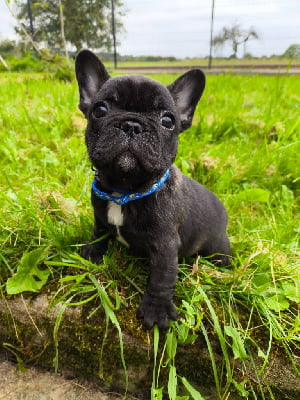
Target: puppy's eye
{"x":100,"y":110}
{"x":167,"y":121}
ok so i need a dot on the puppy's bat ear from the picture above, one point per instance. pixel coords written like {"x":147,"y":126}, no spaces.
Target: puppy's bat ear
{"x":186,"y":92}
{"x":90,"y":74}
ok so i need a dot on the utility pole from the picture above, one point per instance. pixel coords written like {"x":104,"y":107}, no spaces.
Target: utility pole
{"x":113,"y":24}
{"x":211,"y":33}
{"x":29,"y":11}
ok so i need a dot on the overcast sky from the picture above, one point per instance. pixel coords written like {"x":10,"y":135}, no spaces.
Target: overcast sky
{"x":181,"y":28}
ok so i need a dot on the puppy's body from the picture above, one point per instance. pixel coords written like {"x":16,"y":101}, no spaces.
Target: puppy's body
{"x":132,"y":136}
{"x":192,"y":226}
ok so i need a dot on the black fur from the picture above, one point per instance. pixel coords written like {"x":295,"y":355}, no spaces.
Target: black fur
{"x":132,"y":147}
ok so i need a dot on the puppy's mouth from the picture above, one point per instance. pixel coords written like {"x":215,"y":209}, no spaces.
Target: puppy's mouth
{"x":126,"y":163}
{"x":124,"y":173}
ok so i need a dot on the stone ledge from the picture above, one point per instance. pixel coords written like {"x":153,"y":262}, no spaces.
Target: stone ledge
{"x":27,"y":324}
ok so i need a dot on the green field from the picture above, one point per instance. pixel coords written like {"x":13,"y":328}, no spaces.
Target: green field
{"x":244,"y":145}
{"x":31,"y":63}
{"x":196,"y":62}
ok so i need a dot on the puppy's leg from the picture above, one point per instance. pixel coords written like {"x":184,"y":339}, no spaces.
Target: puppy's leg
{"x":94,"y":250}
{"x":218,"y":251}
{"x":157,"y":304}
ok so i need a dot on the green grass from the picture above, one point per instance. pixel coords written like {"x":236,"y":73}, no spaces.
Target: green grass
{"x":244,"y":145}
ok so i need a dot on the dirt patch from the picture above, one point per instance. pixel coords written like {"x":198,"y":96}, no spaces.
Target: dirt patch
{"x":35,"y":384}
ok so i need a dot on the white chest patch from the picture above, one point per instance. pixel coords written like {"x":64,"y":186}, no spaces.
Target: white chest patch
{"x":116,"y":217}
{"x":114,"y":214}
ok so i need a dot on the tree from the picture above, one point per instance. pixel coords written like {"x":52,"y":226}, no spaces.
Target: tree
{"x":8,"y":47}
{"x":86,"y":23}
{"x":236,"y":36}
{"x":293,"y":51}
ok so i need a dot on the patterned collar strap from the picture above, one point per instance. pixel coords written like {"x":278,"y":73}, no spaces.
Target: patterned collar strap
{"x":125,"y":198}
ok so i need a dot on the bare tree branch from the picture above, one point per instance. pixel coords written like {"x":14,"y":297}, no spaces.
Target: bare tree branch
{"x":4,"y":62}
{"x":236,"y":36}
{"x":27,"y":35}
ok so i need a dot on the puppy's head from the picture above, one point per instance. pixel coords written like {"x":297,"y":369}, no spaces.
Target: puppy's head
{"x":133,"y":121}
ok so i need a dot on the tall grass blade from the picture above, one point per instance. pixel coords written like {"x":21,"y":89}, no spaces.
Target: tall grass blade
{"x":110,"y":315}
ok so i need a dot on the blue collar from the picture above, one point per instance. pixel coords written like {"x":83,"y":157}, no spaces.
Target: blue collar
{"x":125,"y":198}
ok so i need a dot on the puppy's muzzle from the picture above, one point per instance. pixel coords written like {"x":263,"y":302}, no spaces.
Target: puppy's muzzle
{"x":131,"y":128}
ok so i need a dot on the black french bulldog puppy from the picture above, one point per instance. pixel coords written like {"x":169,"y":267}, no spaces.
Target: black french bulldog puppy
{"x":138,"y":194}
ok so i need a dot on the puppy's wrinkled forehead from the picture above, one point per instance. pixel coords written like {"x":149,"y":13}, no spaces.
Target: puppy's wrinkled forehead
{"x":136,"y":93}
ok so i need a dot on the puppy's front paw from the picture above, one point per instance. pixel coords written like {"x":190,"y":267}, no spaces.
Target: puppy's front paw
{"x":92,"y":252}
{"x":156,"y":310}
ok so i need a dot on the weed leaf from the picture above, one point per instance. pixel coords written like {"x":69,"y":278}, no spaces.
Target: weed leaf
{"x":240,"y":387}
{"x":277,"y":302}
{"x":172,"y":383}
{"x":261,"y":282}
{"x":238,"y":347}
{"x":291,"y":291}
{"x":157,"y":394}
{"x":192,"y":391}
{"x":171,"y":343}
{"x":29,"y":277}
{"x":154,"y":390}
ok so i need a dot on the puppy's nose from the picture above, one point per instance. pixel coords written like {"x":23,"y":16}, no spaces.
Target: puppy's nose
{"x":131,"y":127}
